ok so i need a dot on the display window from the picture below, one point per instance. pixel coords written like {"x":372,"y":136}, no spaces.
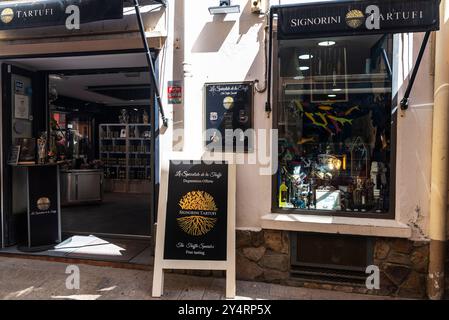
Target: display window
{"x":334,"y":120}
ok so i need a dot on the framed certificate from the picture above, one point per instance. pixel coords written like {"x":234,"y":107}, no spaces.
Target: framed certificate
{"x":21,"y":107}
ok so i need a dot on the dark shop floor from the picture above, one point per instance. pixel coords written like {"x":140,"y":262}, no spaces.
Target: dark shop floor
{"x":120,"y":213}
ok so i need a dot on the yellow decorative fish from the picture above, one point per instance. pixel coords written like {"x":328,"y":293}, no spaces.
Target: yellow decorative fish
{"x":323,"y":118}
{"x":343,"y":121}
{"x":326,"y":108}
{"x":298,"y":105}
{"x":348,"y":112}
{"x":305,"y":140}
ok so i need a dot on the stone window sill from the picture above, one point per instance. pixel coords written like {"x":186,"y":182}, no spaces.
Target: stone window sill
{"x":336,"y":225}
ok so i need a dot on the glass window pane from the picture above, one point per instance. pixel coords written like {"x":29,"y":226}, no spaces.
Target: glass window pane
{"x":334,"y":121}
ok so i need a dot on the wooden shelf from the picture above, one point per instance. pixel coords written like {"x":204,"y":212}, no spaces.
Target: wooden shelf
{"x":128,"y":142}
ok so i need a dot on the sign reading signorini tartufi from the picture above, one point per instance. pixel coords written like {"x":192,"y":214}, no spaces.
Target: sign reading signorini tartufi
{"x":197,"y":212}
{"x":45,"y":13}
{"x":357,"y":18}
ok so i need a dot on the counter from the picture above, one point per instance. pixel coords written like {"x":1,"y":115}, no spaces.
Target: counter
{"x":82,"y":186}
{"x":35,"y":196}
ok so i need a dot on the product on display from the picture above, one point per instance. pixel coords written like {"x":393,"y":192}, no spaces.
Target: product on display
{"x":335,"y":126}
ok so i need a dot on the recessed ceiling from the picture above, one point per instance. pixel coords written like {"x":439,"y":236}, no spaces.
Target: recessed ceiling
{"x":76,"y":86}
{"x":112,"y":89}
{"x":127,"y":60}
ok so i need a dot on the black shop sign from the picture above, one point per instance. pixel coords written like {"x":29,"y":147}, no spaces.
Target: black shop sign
{"x":197,"y":212}
{"x":229,"y":116}
{"x":357,"y":18}
{"x":32,"y":14}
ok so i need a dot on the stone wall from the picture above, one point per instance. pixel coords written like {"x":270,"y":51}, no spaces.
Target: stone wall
{"x":403,"y":265}
{"x":265,"y":256}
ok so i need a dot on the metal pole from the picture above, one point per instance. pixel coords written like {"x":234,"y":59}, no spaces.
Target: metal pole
{"x":405,"y":100}
{"x":440,"y":165}
{"x":268,"y":108}
{"x":150,"y":62}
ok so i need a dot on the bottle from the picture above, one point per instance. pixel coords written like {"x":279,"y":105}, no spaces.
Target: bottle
{"x":283,"y":192}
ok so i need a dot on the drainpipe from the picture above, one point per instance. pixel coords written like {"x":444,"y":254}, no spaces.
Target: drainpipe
{"x":440,"y":161}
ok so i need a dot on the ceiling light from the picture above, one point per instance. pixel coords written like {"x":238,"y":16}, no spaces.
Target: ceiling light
{"x":56,"y":77}
{"x":305,"y":57}
{"x":299,"y":78}
{"x":304,"y":68}
{"x":224,"y":8}
{"x":332,"y":95}
{"x":336,"y":90}
{"x":326,"y":43}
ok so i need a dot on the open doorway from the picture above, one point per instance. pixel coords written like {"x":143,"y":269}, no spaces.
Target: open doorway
{"x":98,"y":123}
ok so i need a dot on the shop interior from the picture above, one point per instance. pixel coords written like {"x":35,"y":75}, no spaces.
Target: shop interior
{"x":99,"y":133}
{"x":335,"y":125}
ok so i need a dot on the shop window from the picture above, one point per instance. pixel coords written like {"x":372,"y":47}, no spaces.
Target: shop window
{"x":335,"y":125}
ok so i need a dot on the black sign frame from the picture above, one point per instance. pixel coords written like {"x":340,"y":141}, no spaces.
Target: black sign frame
{"x":212,"y":189}
{"x":35,"y":14}
{"x":226,"y":259}
{"x":325,"y":19}
{"x":242,"y":117}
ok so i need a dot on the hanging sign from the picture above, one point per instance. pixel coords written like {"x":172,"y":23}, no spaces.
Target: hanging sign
{"x":357,"y":18}
{"x":229,"y":114}
{"x":196,"y":220}
{"x":32,"y":14}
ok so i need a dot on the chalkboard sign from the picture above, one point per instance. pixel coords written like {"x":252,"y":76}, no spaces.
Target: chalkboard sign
{"x":197,"y":212}
{"x":196,"y":220}
{"x":229,"y":106}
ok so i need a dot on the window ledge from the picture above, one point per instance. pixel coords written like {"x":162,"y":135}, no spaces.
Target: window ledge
{"x":337,"y":225}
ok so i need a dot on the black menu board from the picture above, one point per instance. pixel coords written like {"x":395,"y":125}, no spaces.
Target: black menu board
{"x":229,"y":107}
{"x":197,"y":212}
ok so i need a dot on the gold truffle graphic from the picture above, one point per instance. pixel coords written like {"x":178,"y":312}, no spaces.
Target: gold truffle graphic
{"x":7,"y":15}
{"x":228,"y":103}
{"x":198,"y":202}
{"x":43,"y":204}
{"x":197,"y":225}
{"x":355,"y":18}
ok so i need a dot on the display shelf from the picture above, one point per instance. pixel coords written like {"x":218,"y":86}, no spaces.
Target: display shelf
{"x":133,"y":140}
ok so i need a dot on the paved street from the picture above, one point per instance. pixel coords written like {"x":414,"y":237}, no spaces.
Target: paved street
{"x":34,"y":279}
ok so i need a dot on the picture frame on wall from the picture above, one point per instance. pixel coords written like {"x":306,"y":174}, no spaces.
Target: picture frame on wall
{"x":21,"y":107}
{"x":27,"y":150}
{"x":14,"y":155}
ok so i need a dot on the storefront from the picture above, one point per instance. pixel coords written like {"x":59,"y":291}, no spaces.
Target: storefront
{"x":338,"y":97}
{"x":352,"y":184}
{"x":79,"y":97}
{"x":348,"y":86}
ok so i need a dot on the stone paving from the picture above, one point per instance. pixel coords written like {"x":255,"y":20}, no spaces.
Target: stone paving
{"x":26,"y":279}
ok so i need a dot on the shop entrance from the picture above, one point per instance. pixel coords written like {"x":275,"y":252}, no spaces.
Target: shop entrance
{"x":95,"y":113}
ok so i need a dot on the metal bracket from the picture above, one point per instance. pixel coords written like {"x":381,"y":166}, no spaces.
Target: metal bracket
{"x":405,"y":100}
{"x":150,"y":63}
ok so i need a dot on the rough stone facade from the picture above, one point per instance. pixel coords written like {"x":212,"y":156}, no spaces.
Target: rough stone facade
{"x":265,"y":256}
{"x":403,"y":265}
